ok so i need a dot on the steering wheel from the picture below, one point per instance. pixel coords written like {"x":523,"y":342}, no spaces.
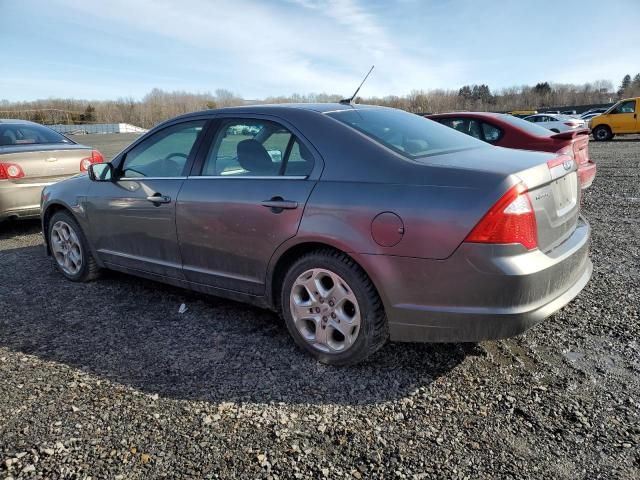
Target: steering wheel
{"x":171,"y":167}
{"x":176,"y":154}
{"x":134,"y":171}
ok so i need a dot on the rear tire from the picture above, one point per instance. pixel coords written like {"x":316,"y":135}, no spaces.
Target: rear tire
{"x":602,"y":133}
{"x":331,"y":308}
{"x":70,"y":249}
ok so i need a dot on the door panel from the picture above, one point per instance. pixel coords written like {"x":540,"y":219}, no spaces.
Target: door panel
{"x":623,"y":118}
{"x":129,"y":230}
{"x":133,"y":219}
{"x":227,"y":236}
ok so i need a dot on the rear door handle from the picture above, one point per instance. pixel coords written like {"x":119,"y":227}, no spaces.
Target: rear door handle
{"x":277,"y":204}
{"x":158,"y":198}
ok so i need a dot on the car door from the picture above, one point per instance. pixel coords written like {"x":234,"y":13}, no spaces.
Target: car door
{"x":243,"y":201}
{"x":623,"y":118}
{"x":132,"y":218}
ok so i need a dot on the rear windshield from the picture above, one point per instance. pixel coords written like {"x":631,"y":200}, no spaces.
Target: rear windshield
{"x":28,"y":134}
{"x":526,"y":125}
{"x":406,"y":133}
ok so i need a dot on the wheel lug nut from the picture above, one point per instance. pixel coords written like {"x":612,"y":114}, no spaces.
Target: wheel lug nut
{"x":324,"y":319}
{"x":331,"y":304}
{"x":317,"y":309}
{"x":311,"y":310}
{"x":333,"y":315}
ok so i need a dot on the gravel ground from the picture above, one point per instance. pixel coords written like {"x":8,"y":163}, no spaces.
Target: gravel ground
{"x":108,"y":380}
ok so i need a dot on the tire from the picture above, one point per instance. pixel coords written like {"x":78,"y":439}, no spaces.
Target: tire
{"x":331,"y":308}
{"x":602,"y":133}
{"x":70,"y":249}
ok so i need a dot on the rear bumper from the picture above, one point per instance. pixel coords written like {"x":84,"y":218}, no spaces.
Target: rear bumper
{"x":481,"y":292}
{"x":20,"y":200}
{"x":586,"y":174}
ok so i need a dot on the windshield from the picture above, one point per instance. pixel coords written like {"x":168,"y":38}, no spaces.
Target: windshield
{"x":526,"y":125}
{"x":28,"y":134}
{"x":406,"y":133}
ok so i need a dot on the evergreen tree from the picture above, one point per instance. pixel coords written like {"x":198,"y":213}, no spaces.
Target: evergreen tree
{"x":626,"y":83}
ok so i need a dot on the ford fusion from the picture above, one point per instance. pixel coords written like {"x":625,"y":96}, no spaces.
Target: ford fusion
{"x":357,"y":223}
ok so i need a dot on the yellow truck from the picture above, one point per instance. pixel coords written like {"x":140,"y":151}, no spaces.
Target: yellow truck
{"x":621,"y":119}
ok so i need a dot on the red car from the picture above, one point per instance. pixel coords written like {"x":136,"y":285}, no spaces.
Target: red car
{"x":511,"y":132}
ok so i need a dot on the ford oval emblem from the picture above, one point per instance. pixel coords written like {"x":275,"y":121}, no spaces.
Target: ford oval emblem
{"x":567,"y":164}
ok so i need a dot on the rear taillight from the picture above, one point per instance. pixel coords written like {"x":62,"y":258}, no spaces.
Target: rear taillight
{"x":510,"y":220}
{"x":96,"y":157}
{"x":10,"y":171}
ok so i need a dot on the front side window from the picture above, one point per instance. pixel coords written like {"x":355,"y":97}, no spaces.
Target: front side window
{"x":625,"y":107}
{"x":256,"y":148}
{"x":408,"y":134}
{"x":29,"y":134}
{"x":163,"y":154}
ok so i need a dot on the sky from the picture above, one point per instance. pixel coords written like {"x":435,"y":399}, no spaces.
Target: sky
{"x":108,"y":49}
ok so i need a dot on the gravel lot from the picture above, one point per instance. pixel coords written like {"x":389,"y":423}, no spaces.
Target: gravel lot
{"x":108,"y":380}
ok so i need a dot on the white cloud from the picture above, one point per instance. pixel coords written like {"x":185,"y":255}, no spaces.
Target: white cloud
{"x":319,"y":46}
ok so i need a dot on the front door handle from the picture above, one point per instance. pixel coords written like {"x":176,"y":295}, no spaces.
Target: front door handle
{"x":278,"y":204}
{"x":157,"y":198}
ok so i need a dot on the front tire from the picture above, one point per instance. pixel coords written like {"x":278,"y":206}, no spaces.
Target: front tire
{"x":602,"y":133}
{"x":331,"y":308}
{"x":70,"y":249}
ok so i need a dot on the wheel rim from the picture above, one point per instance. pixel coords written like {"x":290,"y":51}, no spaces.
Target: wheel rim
{"x":601,"y":133}
{"x":325,"y":310}
{"x":66,"y":247}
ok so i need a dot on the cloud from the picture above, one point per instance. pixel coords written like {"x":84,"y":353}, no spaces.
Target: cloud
{"x":302,"y":45}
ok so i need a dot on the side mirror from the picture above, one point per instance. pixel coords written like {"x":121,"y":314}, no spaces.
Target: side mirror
{"x":101,"y":172}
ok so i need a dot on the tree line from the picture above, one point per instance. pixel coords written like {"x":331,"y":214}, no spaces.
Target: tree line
{"x":159,"y":105}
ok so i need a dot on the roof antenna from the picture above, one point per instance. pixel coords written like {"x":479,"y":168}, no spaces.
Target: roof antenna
{"x":349,"y":101}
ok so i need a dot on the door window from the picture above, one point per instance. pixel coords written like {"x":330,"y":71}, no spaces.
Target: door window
{"x":256,"y":148}
{"x":165,"y":153}
{"x":625,"y":107}
{"x":491,"y":133}
{"x":465,"y":125}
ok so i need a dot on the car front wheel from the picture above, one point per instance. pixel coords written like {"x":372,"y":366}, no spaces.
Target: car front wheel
{"x":332,"y":309}
{"x":70,"y":250}
{"x":602,"y":133}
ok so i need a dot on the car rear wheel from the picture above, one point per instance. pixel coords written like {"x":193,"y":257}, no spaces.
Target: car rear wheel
{"x":602,"y":133}
{"x":332,"y":309}
{"x":70,"y":250}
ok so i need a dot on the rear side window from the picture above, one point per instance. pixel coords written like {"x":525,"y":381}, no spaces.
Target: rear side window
{"x":27,"y":134}
{"x":468,"y":126}
{"x":256,"y":148}
{"x":527,"y":126}
{"x":491,"y":133}
{"x":410,"y":135}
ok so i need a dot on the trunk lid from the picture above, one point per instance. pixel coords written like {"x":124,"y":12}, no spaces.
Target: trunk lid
{"x":555,"y":198}
{"x":45,"y":163}
{"x":551,"y":180}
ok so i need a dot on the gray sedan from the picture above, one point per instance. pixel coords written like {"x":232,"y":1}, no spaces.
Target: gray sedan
{"x":356,"y":223}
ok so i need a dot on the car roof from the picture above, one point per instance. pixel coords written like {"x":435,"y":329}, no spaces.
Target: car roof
{"x":468,"y":114}
{"x":283,"y":107}
{"x":18,"y":121}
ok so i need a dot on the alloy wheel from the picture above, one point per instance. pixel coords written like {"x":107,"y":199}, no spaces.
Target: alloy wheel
{"x":325,"y":310}
{"x":66,"y":248}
